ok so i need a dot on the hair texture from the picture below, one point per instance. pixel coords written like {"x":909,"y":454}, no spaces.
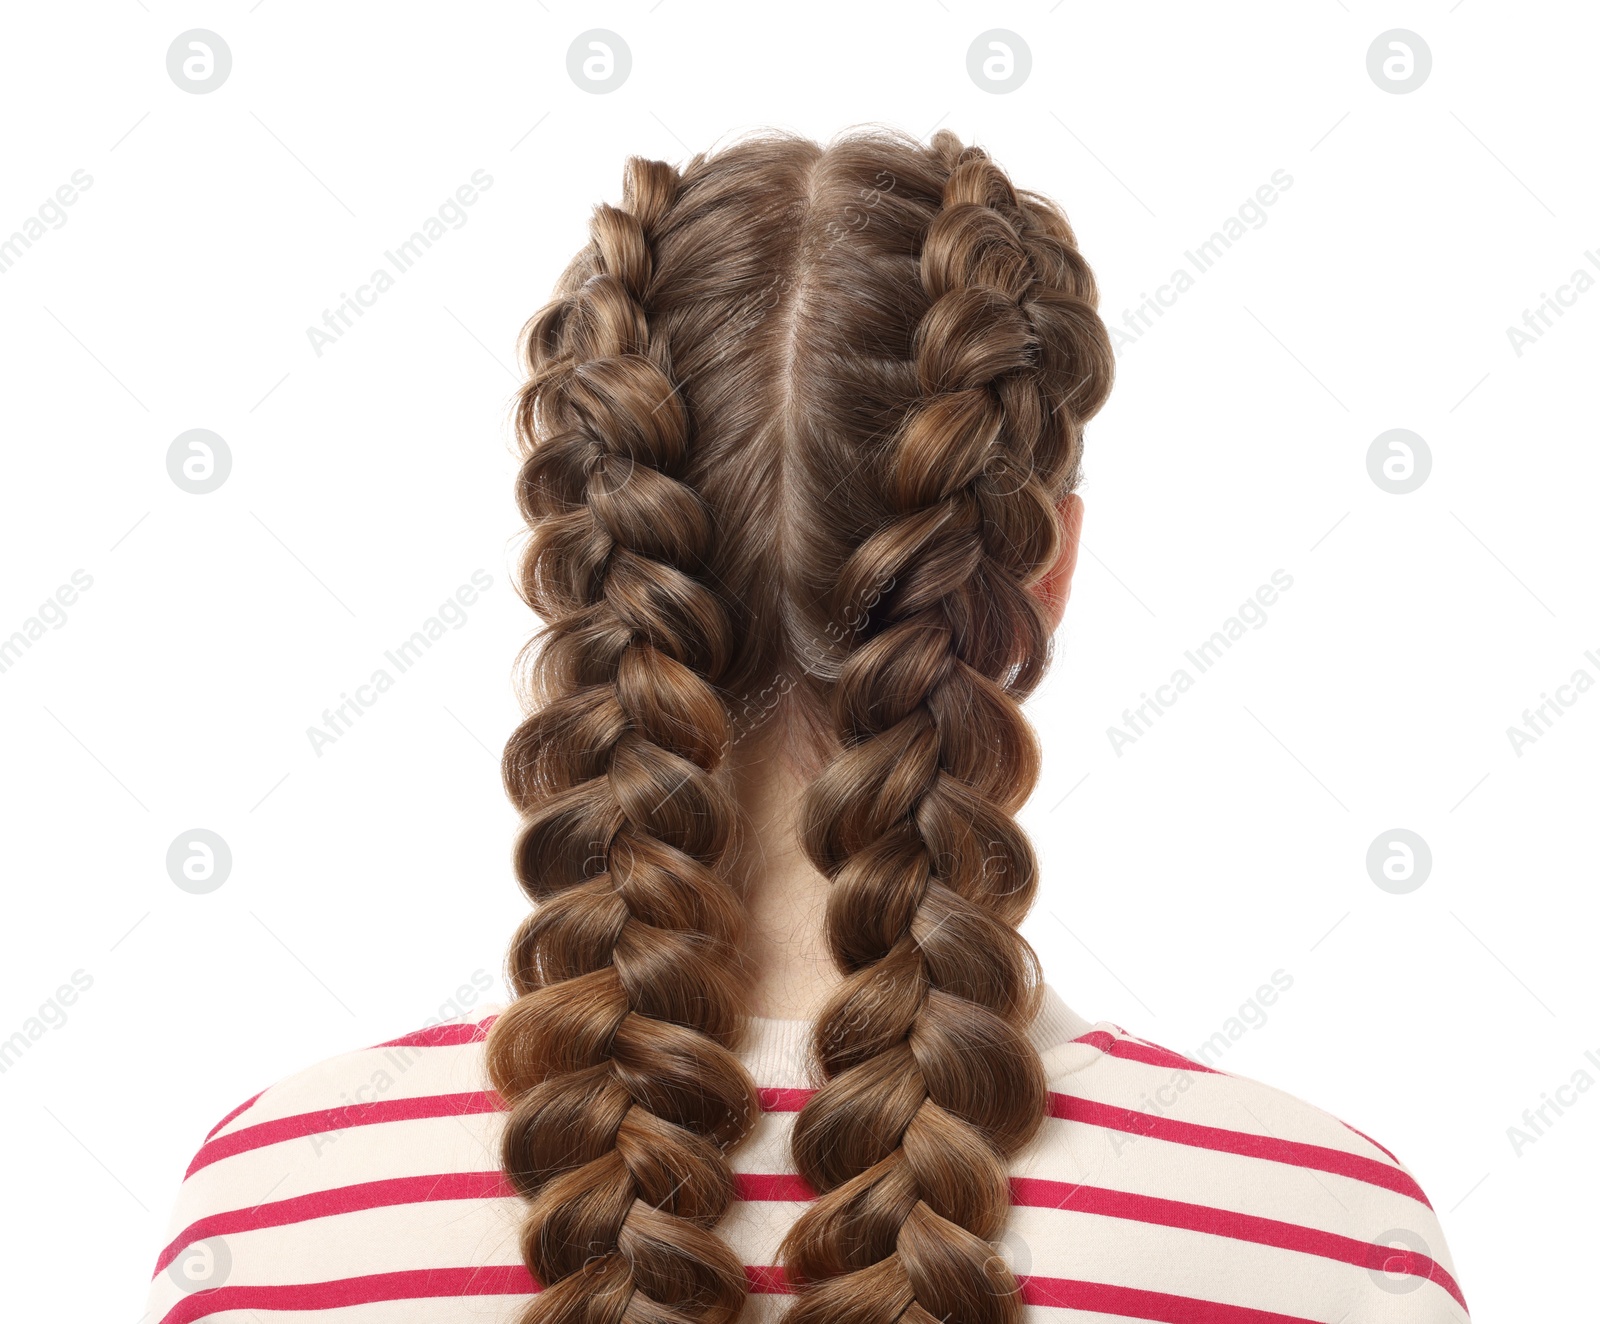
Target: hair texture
{"x":796,"y":431}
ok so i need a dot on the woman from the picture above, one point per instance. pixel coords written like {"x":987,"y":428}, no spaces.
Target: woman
{"x":801,"y":431}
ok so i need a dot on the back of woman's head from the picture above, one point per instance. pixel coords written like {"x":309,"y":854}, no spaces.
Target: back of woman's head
{"x":797,"y":429}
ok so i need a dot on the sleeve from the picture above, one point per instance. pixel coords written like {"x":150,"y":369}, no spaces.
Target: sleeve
{"x":1412,"y":1276}
{"x":194,"y":1262}
{"x":1160,"y":1178}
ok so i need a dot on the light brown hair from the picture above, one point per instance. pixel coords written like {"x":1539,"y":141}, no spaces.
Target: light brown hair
{"x":796,"y":428}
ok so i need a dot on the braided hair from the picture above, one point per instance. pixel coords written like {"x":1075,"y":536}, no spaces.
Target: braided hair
{"x":797,"y":430}
{"x":947,"y":522}
{"x":624,"y":1094}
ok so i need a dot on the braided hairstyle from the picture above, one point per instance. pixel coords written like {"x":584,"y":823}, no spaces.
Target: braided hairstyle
{"x":946,"y":521}
{"x":796,"y":432}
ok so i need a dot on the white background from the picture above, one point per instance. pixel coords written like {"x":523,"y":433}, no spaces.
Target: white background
{"x":371,"y":882}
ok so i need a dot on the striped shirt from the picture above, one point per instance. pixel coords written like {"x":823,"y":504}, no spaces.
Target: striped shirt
{"x":366,"y":1190}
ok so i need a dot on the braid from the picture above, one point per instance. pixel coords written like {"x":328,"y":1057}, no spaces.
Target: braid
{"x":615,"y":1061}
{"x":930,"y":1081}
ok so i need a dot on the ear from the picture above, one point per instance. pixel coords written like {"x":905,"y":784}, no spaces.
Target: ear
{"x":1056,"y":586}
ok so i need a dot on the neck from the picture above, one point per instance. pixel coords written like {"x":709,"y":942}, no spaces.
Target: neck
{"x":786,"y":897}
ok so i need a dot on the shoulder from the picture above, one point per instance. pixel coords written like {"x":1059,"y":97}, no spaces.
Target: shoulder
{"x":351,"y":1180}
{"x":1236,"y":1194}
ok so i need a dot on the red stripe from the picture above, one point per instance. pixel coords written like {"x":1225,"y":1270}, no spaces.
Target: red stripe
{"x":1135,"y":1050}
{"x":403,"y":1285}
{"x":772,"y":1186}
{"x":1038,"y":1193}
{"x":338,"y":1119}
{"x":1141,"y":1050}
{"x":233,"y":1114}
{"x":433,"y":1036}
{"x":1135,"y":1303}
{"x":1370,"y":1140}
{"x":775,"y":1100}
{"x":341,"y":1200}
{"x":766,"y":1280}
{"x":1071,"y":1294}
{"x":1294,"y":1152}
